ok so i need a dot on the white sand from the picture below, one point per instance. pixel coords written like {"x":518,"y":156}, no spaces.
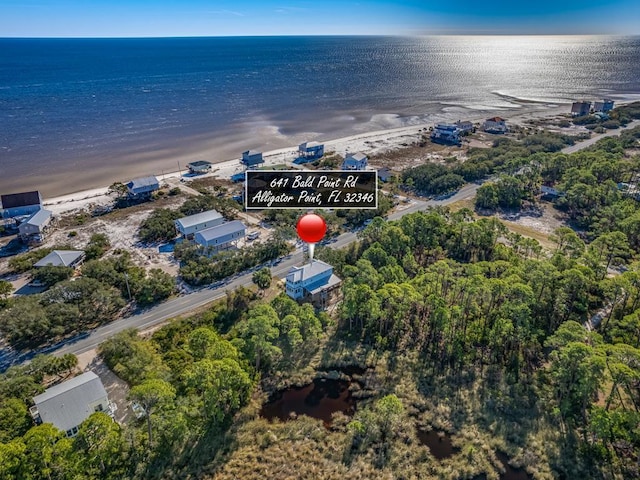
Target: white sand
{"x":367,"y":142}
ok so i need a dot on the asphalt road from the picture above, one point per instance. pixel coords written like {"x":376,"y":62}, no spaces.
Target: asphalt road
{"x":610,"y":133}
{"x":189,"y":302}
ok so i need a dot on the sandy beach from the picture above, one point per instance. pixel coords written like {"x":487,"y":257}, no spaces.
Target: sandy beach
{"x":164,"y":163}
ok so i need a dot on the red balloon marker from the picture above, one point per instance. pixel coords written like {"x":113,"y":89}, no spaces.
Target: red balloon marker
{"x":311,"y":228}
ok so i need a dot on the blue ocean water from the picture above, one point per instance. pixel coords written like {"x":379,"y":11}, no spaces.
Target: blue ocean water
{"x":99,"y":109}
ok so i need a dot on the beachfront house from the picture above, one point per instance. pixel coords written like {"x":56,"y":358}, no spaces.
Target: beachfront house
{"x":355,"y":161}
{"x":221,"y":237}
{"x":579,"y":109}
{"x":495,"y":125}
{"x":464,"y":127}
{"x":34,"y":228}
{"x":199,"y":167}
{"x":61,"y":258}
{"x":309,"y":151}
{"x":143,"y":187}
{"x":70,"y":403}
{"x":188,"y":226}
{"x":20,"y":204}
{"x":446,"y":134}
{"x":313,"y":282}
{"x":603,"y":106}
{"x":251,"y":158}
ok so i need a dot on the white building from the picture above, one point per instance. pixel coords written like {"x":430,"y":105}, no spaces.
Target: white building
{"x":70,"y":403}
{"x":355,"y":161}
{"x":495,"y":125}
{"x":313,"y":281}
{"x":222,"y":237}
{"x":35,"y":226}
{"x":188,"y":226}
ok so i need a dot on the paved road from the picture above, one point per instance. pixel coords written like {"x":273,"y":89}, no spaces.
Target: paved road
{"x":592,"y":140}
{"x":185,"y":304}
{"x":189,"y":302}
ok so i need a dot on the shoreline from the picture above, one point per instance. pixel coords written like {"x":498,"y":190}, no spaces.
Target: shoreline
{"x":369,"y":142}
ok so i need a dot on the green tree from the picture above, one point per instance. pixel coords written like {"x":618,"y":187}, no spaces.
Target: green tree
{"x":98,"y":244}
{"x":12,"y":460}
{"x":262,"y":278}
{"x":6,"y":288}
{"x":101,"y":444}
{"x":50,"y":275}
{"x":14,"y":419}
{"x":487,"y":197}
{"x":151,"y":395}
{"x":259,"y":332}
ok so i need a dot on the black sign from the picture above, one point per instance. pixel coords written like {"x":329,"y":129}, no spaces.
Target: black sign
{"x":311,"y":189}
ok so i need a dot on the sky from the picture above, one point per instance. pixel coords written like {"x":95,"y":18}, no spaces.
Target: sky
{"x":170,"y":18}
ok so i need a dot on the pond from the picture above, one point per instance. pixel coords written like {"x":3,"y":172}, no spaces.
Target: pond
{"x":438,"y":442}
{"x":320,"y":399}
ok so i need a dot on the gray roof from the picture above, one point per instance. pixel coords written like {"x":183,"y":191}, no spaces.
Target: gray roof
{"x":251,"y":153}
{"x":143,"y":182}
{"x":307,"y":271}
{"x":310,"y":145}
{"x":67,"y":405}
{"x":221,"y":230}
{"x":199,"y":163}
{"x":191,"y":220}
{"x":358,"y":157}
{"x":333,"y":280}
{"x":60,"y":258}
{"x":39,"y":218}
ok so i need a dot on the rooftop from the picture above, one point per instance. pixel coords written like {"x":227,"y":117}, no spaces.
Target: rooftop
{"x":67,"y":405}
{"x":307,"y":271}
{"x":199,"y":163}
{"x":333,"y":280}
{"x":143,"y":182}
{"x":24,"y":199}
{"x":221,"y":230}
{"x":358,"y":157}
{"x":39,"y":218}
{"x":198,"y":218}
{"x":310,"y":144}
{"x":495,"y":119}
{"x":251,"y":153}
{"x":60,"y":258}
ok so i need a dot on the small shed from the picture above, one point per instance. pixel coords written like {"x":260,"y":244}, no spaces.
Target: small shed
{"x":384,"y":174}
{"x":61,"y":258}
{"x":251,"y":158}
{"x":222,"y":237}
{"x":199,"y":167}
{"x":188,"y":226}
{"x":355,"y":161}
{"x":20,"y":204}
{"x":35,"y":225}
{"x":143,"y":187}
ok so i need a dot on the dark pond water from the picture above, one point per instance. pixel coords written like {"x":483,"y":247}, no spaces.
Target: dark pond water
{"x":511,"y":473}
{"x":319,"y":399}
{"x":438,"y":442}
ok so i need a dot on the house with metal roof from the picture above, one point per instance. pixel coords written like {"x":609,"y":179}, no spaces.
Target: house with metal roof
{"x":251,"y":158}
{"x":312,"y":282}
{"x":20,"y":204}
{"x":221,"y":237}
{"x":70,"y":403}
{"x":34,"y":227}
{"x":188,"y":226}
{"x":355,"y":161}
{"x":199,"y":167}
{"x":308,"y":152}
{"x":385,"y":175}
{"x":61,"y":258}
{"x":143,"y":187}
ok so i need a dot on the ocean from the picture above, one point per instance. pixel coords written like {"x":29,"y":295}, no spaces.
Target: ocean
{"x":81,"y":113}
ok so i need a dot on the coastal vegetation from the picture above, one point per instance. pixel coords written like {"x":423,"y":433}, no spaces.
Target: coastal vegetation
{"x":456,"y":325}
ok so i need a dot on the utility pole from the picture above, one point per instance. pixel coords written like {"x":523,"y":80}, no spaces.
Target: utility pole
{"x":126,"y":280}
